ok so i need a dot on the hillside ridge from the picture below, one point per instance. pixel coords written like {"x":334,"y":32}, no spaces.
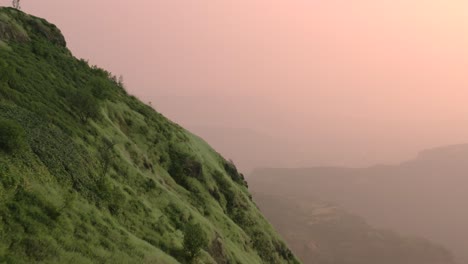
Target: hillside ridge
{"x":90,"y":174}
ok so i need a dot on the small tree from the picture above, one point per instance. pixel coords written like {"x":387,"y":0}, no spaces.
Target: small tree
{"x":106,"y":155}
{"x":16,"y":4}
{"x":85,"y":105}
{"x":194,"y":240}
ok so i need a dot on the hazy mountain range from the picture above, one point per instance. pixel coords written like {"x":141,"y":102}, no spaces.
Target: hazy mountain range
{"x":320,"y":232}
{"x":425,"y":196}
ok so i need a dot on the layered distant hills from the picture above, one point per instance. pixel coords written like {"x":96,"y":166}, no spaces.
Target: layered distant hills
{"x":424,"y":197}
{"x":323,"y":233}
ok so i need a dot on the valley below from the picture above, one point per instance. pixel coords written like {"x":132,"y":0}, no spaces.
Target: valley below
{"x":424,"y":197}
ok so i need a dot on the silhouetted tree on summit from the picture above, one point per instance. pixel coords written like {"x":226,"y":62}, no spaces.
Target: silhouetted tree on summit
{"x":16,"y":4}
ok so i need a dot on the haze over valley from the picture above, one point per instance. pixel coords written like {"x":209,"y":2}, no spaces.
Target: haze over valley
{"x":424,"y":197}
{"x":234,"y":132}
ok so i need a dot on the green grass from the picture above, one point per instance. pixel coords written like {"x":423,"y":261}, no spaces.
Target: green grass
{"x":4,"y":46}
{"x":59,"y":205}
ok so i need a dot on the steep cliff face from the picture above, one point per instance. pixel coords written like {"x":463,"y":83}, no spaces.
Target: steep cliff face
{"x":89,"y":174}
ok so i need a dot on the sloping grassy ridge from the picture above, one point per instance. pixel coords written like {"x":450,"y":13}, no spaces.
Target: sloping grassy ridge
{"x":89,"y":174}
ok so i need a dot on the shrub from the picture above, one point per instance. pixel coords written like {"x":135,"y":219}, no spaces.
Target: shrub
{"x":232,"y":171}
{"x":117,"y":201}
{"x":149,"y":185}
{"x":176,"y":215}
{"x":40,"y":249}
{"x":12,"y":135}
{"x":263,"y":245}
{"x":182,"y":166}
{"x":100,"y":88}
{"x":6,"y":73}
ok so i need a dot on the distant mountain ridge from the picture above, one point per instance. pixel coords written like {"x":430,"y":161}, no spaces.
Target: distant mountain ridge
{"x":451,"y":153}
{"x":425,"y":196}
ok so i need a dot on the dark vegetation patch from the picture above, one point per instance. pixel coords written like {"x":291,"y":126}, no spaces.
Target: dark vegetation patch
{"x":184,"y":166}
{"x":232,"y":171}
{"x":11,"y":136}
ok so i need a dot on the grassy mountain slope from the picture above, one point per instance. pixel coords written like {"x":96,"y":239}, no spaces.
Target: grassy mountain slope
{"x":89,"y":174}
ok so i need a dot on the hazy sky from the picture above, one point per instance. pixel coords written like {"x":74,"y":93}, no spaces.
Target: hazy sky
{"x":305,"y":82}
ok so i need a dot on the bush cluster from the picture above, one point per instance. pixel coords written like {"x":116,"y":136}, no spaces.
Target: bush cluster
{"x":183,"y":166}
{"x":232,"y":171}
{"x":12,"y":135}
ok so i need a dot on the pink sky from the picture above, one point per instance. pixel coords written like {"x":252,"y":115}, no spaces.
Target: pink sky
{"x":304,"y":82}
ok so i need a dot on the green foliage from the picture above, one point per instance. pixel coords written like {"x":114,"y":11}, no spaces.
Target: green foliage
{"x":263,"y":245}
{"x":40,"y":248}
{"x":183,"y":166}
{"x":6,"y":73}
{"x":106,"y":155}
{"x":176,"y":215}
{"x":232,"y":171}
{"x":100,"y":87}
{"x":85,"y":105}
{"x":12,"y":135}
{"x":149,"y":185}
{"x":194,"y":241}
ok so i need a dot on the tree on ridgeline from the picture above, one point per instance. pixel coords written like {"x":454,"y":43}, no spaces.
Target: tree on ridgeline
{"x":16,"y":4}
